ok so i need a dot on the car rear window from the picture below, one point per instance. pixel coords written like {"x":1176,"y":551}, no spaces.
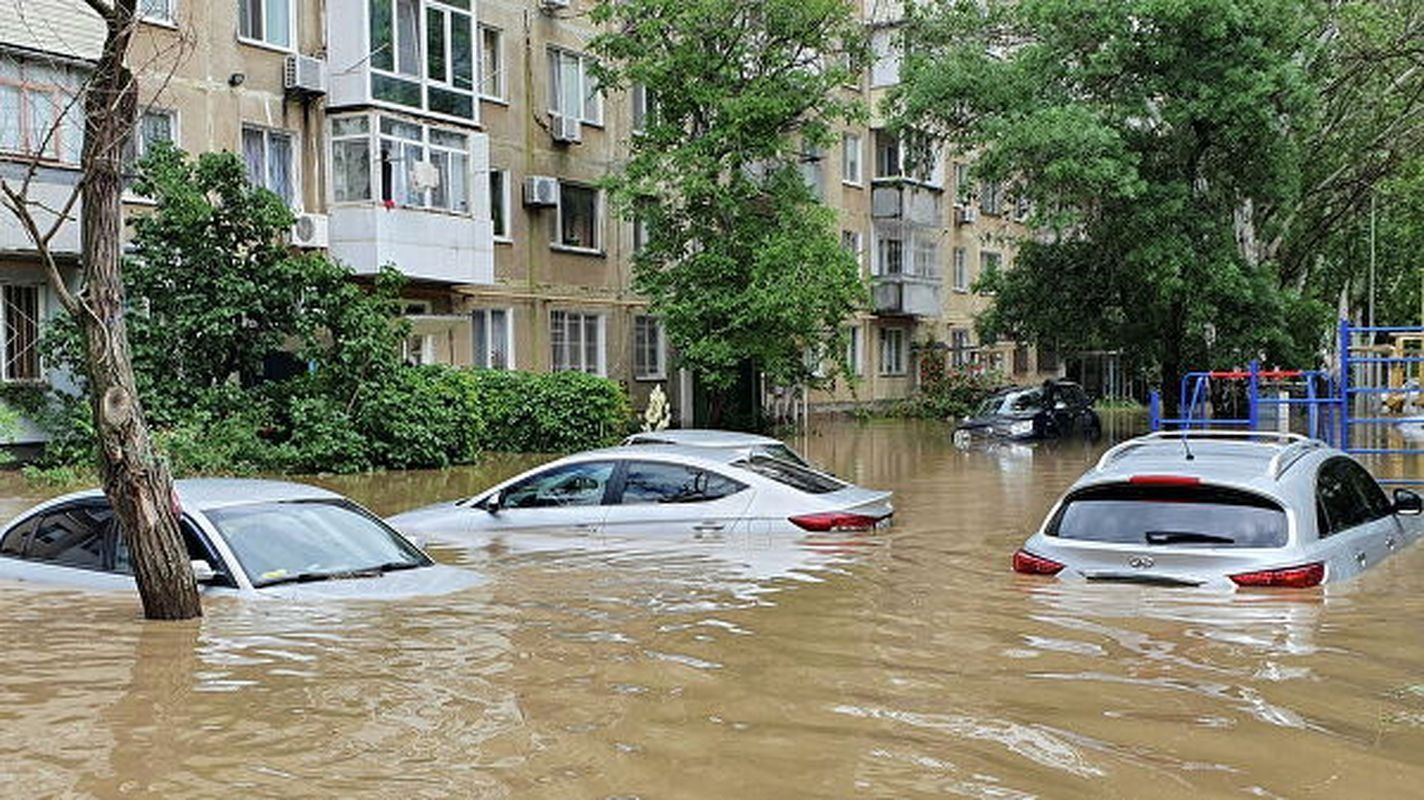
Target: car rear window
{"x":793,"y":475}
{"x":1171,"y":516}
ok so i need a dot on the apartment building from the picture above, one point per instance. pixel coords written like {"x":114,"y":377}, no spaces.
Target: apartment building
{"x":462,"y":141}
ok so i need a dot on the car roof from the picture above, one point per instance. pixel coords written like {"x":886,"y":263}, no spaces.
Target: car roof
{"x":693,"y":454}
{"x":202,"y":494}
{"x":701,"y":437}
{"x":1264,"y":463}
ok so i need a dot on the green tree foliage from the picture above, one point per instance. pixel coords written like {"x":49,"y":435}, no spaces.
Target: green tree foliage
{"x":742,"y":261}
{"x":1151,"y":136}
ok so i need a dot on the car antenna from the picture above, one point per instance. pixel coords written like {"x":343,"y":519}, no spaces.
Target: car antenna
{"x":1187,"y":448}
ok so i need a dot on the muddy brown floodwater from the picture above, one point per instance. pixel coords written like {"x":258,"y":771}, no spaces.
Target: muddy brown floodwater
{"x":917,"y":667}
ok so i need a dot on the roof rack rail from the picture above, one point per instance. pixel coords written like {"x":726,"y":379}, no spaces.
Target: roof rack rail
{"x":1264,"y":438}
{"x":1290,"y":454}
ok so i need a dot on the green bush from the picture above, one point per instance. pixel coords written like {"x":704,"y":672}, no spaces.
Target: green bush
{"x":550,"y":412}
{"x":949,"y":394}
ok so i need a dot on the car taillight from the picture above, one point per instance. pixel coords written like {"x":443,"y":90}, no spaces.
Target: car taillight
{"x":1030,"y":564}
{"x":1290,"y":577}
{"x":835,"y":521}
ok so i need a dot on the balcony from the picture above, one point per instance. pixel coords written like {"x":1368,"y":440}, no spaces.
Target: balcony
{"x":907,"y":202}
{"x":50,"y":189}
{"x":423,"y":245}
{"x":905,"y":295}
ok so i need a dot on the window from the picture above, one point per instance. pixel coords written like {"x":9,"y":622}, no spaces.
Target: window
{"x":989,"y":263}
{"x":791,"y":474}
{"x":153,"y":127}
{"x":1192,"y":516}
{"x":351,"y":158}
{"x":418,"y":348}
{"x":853,"y":350}
{"x":960,"y":350}
{"x":449,"y":53}
{"x":499,"y":202}
{"x":21,"y":309}
{"x":887,"y":155}
{"x":851,"y":241}
{"x":423,"y":55}
{"x":649,"y":348}
{"x":578,"y":218}
{"x":653,"y":482}
{"x":850,"y":159}
{"x":991,"y":197}
{"x":268,"y":154}
{"x":961,"y":270}
{"x":1020,"y":359}
{"x":963,"y":186}
{"x":885,"y":55}
{"x":1346,"y":496}
{"x":156,"y":10}
{"x":892,"y":351}
{"x":494,"y":338}
{"x":813,"y":169}
{"x":266,"y":21}
{"x":891,"y":257}
{"x":926,"y":256}
{"x":640,"y":232}
{"x":1047,"y":358}
{"x":424,"y":167}
{"x":577,"y":342}
{"x":491,"y":63}
{"x":74,"y":536}
{"x":581,"y":484}
{"x":39,"y":113}
{"x":644,"y":106}
{"x":573,"y":91}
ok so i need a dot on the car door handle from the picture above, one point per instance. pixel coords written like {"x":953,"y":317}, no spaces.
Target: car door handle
{"x":1390,"y":543}
{"x":1360,"y":558}
{"x":708,"y":527}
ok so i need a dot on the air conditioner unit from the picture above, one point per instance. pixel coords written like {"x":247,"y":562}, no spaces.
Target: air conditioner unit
{"x":966,"y":215}
{"x":541,"y":190}
{"x":304,"y":75}
{"x":310,"y":231}
{"x":554,"y":5}
{"x":566,"y":129}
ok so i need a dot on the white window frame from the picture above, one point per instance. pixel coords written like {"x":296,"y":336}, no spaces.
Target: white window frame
{"x":506,"y":216}
{"x":882,"y":245}
{"x":554,"y":57}
{"x":852,"y":160}
{"x":813,"y":169}
{"x":30,"y":86}
{"x":985,"y":256}
{"x":643,"y":105}
{"x":141,"y":144}
{"x":601,"y":367}
{"x":558,"y":240}
{"x":892,"y":340}
{"x":485,"y":360}
{"x":854,"y":243}
{"x":373,"y":135}
{"x":961,"y":270}
{"x":855,"y":350}
{"x":499,"y":92}
{"x":41,"y":314}
{"x":961,"y":350}
{"x":166,"y":17}
{"x":262,"y":41}
{"x":294,"y":151}
{"x":660,"y":348}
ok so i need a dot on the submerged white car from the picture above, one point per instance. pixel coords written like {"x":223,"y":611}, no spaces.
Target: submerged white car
{"x":673,"y":492}
{"x":244,"y":536}
{"x":748,"y":443}
{"x":1222,"y":508}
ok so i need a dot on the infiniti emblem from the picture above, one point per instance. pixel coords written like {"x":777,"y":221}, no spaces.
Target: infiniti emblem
{"x":1140,"y":562}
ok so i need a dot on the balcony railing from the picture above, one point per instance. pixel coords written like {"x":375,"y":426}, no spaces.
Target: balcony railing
{"x":906,"y":295}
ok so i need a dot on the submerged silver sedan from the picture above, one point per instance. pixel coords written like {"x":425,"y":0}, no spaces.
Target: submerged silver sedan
{"x":247,"y":537}
{"x":671,"y":492}
{"x":1222,"y":508}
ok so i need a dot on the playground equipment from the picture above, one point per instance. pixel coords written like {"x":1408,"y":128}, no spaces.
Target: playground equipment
{"x":1359,"y":407}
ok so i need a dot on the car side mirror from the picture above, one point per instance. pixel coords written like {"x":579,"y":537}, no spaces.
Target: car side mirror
{"x":493,"y":503}
{"x":203,"y":572}
{"x":1060,"y":405}
{"x":1407,"y":503}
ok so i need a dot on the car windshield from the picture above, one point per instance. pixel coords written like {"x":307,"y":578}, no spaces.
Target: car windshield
{"x":1016,"y":401}
{"x":1183,"y":516}
{"x":279,"y":542}
{"x":790,"y":474}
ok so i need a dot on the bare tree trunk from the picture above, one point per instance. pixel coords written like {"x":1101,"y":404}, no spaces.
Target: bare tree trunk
{"x":136,"y":481}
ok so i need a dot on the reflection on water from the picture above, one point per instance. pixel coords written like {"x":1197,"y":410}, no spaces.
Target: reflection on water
{"x":916,"y":666}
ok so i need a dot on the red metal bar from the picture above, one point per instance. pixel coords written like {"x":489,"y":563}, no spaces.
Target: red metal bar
{"x":1265,"y":373}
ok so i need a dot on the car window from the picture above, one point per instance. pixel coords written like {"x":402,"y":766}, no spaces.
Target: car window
{"x":1075,"y":396}
{"x":197,"y":546}
{"x":1179,"y":516}
{"x":283,"y":541}
{"x":1346,"y":496}
{"x":782,"y":452}
{"x":793,"y":475}
{"x":657,"y":482}
{"x":581,"y":484}
{"x":73,"y":536}
{"x":14,"y":542}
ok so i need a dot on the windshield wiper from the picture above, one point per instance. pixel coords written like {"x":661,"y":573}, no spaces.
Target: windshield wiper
{"x":392,"y":566}
{"x":339,"y":574}
{"x":1182,"y":537}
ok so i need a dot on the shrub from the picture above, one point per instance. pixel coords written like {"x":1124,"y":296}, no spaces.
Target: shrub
{"x":550,"y":412}
{"x":949,"y":393}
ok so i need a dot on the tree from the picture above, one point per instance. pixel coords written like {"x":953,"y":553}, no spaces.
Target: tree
{"x":741,"y":261}
{"x":1143,"y":132}
{"x":136,"y":481}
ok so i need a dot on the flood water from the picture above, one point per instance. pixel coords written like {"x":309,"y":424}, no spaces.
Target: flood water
{"x":918,"y":667}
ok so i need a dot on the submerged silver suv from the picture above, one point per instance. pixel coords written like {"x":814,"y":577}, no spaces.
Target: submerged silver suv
{"x":1223,"y":508}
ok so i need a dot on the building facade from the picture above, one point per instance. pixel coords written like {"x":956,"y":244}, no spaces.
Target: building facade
{"x":462,"y":141}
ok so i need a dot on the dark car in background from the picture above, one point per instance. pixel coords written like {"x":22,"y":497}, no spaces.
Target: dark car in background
{"x":1051,"y":410}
